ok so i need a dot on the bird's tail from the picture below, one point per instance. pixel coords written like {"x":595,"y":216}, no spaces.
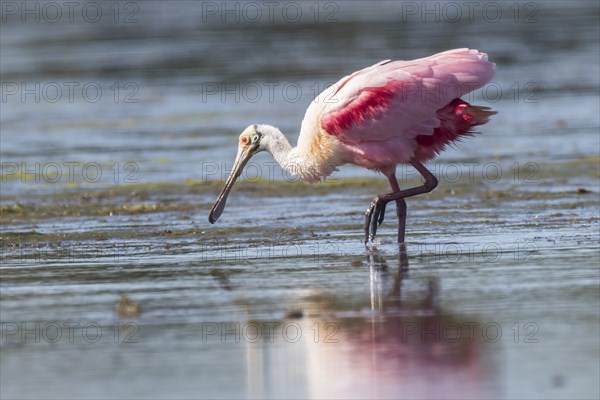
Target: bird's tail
{"x":478,"y":115}
{"x":456,"y":121}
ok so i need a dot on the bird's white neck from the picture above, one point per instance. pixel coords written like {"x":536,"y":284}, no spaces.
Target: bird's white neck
{"x":293,"y":160}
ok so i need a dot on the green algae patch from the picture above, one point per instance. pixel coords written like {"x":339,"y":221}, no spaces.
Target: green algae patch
{"x":170,"y":216}
{"x":187,"y":198}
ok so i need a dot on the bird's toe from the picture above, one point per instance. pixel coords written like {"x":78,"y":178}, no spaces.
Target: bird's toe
{"x":374,"y":217}
{"x":377,"y":216}
{"x":368,"y":217}
{"x":381,"y":214}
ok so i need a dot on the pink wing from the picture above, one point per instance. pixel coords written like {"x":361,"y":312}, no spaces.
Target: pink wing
{"x":395,"y":101}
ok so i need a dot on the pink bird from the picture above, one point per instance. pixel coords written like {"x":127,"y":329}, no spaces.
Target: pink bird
{"x":394,"y":112}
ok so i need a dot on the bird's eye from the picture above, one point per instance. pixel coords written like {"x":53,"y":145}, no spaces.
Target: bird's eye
{"x":244,"y":140}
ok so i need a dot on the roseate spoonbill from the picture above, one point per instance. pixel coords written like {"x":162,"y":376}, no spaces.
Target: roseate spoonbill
{"x":390,"y":113}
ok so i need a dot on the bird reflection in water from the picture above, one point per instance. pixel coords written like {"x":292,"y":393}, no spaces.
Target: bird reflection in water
{"x":405,"y":345}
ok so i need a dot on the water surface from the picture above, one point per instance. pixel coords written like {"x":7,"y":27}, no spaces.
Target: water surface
{"x":280,"y":299}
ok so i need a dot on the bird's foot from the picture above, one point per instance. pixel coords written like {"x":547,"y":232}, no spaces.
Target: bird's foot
{"x":374,"y":217}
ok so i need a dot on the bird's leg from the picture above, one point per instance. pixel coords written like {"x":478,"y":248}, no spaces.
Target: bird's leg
{"x":400,"y":208}
{"x":374,"y":217}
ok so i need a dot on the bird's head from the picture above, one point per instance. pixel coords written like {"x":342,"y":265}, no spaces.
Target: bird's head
{"x":250,"y":142}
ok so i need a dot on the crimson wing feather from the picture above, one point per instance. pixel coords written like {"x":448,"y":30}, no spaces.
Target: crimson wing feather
{"x":401,"y":98}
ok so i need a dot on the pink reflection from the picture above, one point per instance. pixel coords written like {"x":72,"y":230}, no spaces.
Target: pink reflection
{"x":402,"y":348}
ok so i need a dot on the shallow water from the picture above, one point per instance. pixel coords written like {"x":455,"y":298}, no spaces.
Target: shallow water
{"x":499,"y":297}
